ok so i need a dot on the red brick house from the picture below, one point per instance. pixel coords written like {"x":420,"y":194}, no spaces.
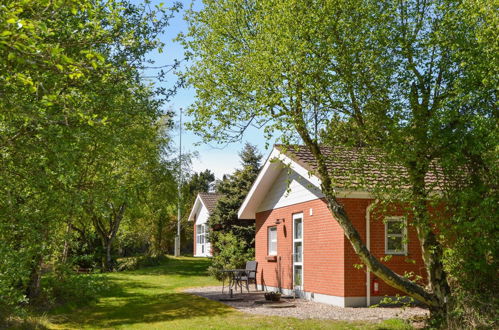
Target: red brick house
{"x":301,"y":249}
{"x":201,"y":210}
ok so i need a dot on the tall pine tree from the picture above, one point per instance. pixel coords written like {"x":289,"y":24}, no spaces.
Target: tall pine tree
{"x":232,"y":239}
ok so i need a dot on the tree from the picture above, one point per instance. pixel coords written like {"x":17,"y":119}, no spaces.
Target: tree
{"x":71,"y":82}
{"x":159,"y":213}
{"x":391,"y":73}
{"x":198,"y":182}
{"x":226,"y":231}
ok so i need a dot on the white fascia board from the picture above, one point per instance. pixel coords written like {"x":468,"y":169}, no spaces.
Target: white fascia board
{"x":276,"y":162}
{"x":197,"y":204}
{"x":262,"y":181}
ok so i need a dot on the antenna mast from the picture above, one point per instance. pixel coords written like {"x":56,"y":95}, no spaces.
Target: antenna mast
{"x":177,"y":237}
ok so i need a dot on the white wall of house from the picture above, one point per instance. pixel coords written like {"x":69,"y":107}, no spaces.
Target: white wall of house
{"x":288,"y":190}
{"x":203,"y":247}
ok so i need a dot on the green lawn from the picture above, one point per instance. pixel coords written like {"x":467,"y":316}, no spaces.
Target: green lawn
{"x":151,"y":298}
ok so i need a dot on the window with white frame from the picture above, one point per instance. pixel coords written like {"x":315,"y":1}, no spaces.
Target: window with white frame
{"x":395,"y":235}
{"x":272,"y":240}
{"x":200,"y":234}
{"x":206,"y":236}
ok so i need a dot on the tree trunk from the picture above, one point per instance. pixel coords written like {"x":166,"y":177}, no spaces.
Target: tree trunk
{"x":432,"y":251}
{"x":33,"y":289}
{"x":108,"y":263}
{"x":375,"y":266}
{"x":158,"y":242}
{"x":108,"y":235}
{"x":65,"y":249}
{"x":437,"y":277}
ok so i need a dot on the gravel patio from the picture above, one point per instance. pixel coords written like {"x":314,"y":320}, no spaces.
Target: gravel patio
{"x":308,"y":309}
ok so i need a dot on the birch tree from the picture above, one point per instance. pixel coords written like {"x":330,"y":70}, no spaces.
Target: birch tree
{"x":387,"y":72}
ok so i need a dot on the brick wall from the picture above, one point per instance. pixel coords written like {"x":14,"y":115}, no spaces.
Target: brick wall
{"x":323,"y":249}
{"x":328,"y":257}
{"x":356,"y":210}
{"x":413,"y":262}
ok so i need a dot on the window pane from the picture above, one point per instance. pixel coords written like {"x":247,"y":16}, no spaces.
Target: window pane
{"x":395,"y":227}
{"x":395,"y":243}
{"x":272,"y":237}
{"x":297,"y":276}
{"x":298,"y":252}
{"x":273,"y":248}
{"x":298,"y":228}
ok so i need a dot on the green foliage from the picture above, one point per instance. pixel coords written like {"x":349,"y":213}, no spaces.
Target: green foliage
{"x":232,"y":239}
{"x":234,"y":189}
{"x":233,"y":253}
{"x":71,"y":291}
{"x":417,"y":83}
{"x":79,"y":130}
{"x":198,"y":182}
{"x":133,"y":263}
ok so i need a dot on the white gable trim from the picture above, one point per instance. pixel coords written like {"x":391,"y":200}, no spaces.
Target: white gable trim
{"x":275,"y":163}
{"x":197,"y":204}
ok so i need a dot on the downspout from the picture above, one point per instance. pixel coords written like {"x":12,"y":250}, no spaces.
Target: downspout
{"x":368,"y":245}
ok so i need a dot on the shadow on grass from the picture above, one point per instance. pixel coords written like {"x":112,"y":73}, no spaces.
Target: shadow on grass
{"x":143,"y":308}
{"x":181,"y":266}
{"x":133,"y":299}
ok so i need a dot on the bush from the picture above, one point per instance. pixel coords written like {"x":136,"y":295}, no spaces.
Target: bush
{"x":231,"y":253}
{"x":472,"y":310}
{"x":133,"y":263}
{"x":71,"y":290}
{"x":14,"y":270}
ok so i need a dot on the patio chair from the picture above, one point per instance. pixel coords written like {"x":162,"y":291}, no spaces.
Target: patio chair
{"x":248,"y":275}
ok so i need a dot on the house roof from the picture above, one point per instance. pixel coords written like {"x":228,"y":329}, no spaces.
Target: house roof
{"x":208,"y":200}
{"x":355,"y":172}
{"x":357,"y":168}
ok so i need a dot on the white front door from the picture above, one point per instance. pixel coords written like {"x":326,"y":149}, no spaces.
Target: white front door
{"x":298,"y":253}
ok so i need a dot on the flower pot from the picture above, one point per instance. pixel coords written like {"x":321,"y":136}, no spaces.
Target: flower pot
{"x":272,"y":296}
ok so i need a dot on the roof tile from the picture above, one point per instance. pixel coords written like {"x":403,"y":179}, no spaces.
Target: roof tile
{"x":358,"y":168}
{"x":210,"y":200}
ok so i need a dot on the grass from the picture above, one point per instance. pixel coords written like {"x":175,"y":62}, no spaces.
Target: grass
{"x":151,"y":298}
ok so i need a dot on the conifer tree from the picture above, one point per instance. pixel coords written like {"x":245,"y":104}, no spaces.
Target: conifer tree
{"x":224,"y":226}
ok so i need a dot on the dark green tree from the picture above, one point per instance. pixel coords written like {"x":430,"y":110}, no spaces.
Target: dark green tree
{"x":198,"y":182}
{"x":224,"y":225}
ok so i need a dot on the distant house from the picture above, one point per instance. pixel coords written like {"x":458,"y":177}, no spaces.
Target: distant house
{"x":203,"y":206}
{"x":301,"y":249}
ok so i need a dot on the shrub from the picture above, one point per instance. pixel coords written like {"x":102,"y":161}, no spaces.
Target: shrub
{"x":132,"y":263}
{"x":231,"y":253}
{"x":70,"y":290}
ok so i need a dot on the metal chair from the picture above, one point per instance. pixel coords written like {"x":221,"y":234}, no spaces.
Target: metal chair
{"x":248,"y":275}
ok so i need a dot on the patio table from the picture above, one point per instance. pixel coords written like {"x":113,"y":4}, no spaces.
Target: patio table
{"x":232,"y":275}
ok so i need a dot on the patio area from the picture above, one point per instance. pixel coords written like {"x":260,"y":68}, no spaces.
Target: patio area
{"x":304,"y":309}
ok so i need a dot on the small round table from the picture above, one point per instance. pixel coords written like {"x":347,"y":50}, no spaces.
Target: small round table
{"x":233,"y":275}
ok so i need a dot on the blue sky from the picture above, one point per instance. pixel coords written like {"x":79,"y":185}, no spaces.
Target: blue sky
{"x":219,"y":159}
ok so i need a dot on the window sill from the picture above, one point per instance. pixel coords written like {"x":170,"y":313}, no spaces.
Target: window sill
{"x":271,"y":258}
